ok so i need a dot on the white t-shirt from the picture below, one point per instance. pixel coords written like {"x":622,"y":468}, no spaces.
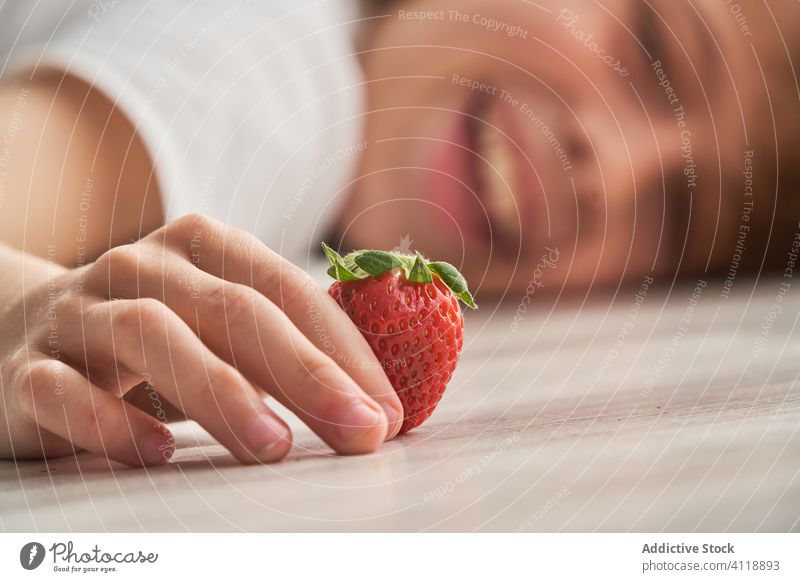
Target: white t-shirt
{"x":250,"y":110}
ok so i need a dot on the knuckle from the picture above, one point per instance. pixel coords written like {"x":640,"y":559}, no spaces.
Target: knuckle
{"x":223,"y":380}
{"x":224,"y":377}
{"x":123,"y":258}
{"x":152,"y":312}
{"x":116,"y":265}
{"x":294,"y":286}
{"x":15,"y":365}
{"x":64,"y":311}
{"x":230,"y":304}
{"x":190,"y":233}
{"x":39,"y":382}
{"x":249,"y":242}
{"x":183,"y":229}
{"x":197,"y":219}
{"x":91,"y":421}
{"x":124,"y":315}
{"x":64,"y":303}
{"x":314,"y":373}
{"x":274,"y":269}
{"x":131,"y":318}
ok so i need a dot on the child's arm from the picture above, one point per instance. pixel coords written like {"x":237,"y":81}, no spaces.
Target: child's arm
{"x":177,"y":307}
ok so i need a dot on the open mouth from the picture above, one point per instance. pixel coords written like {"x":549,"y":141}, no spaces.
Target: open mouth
{"x":492,"y":169}
{"x":479,"y":174}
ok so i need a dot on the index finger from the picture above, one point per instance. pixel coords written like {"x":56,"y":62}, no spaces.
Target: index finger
{"x":239,"y":257}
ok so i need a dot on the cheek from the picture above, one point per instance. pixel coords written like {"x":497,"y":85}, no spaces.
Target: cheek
{"x":621,"y":191}
{"x":378,"y":220}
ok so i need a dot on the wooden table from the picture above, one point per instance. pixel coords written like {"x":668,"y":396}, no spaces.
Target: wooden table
{"x":648,"y":411}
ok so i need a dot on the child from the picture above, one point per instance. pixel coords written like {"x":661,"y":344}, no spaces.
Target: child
{"x":166,"y":170}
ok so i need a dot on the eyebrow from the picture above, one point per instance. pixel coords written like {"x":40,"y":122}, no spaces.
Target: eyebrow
{"x":707,"y":49}
{"x":678,"y":205}
{"x":649,"y":16}
{"x":645,"y":27}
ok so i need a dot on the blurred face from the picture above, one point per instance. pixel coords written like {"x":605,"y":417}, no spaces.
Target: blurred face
{"x":504,"y":132}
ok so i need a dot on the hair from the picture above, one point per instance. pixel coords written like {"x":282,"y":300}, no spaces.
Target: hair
{"x":374,"y":6}
{"x":776,"y":41}
{"x":775,"y":35}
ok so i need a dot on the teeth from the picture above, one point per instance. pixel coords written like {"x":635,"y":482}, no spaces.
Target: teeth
{"x":497,"y":175}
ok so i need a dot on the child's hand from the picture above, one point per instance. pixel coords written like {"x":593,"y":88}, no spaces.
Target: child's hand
{"x":214,"y":320}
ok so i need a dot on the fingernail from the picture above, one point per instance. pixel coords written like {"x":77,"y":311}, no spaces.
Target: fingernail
{"x":157,"y":447}
{"x":393,"y":417}
{"x":357,"y":420}
{"x":263,"y":433}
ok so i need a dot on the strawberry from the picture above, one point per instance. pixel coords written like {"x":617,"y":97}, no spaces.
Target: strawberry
{"x":407,"y":309}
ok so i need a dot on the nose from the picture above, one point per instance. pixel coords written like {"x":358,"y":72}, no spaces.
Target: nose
{"x":615,"y":153}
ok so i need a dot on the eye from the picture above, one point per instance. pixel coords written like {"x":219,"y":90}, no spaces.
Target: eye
{"x":649,"y":33}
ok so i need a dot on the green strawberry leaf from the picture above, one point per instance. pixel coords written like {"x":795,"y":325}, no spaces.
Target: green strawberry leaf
{"x":451,"y":277}
{"x":342,"y":273}
{"x":331,"y":254}
{"x":337,"y":269}
{"x":377,"y":262}
{"x":349,"y":262}
{"x":363,"y":264}
{"x":407,"y":263}
{"x":420,"y":273}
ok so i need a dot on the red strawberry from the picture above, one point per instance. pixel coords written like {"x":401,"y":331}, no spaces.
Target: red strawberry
{"x":407,"y":309}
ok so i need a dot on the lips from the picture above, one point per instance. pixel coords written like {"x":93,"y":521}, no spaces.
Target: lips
{"x":453,"y":183}
{"x":497,"y":184}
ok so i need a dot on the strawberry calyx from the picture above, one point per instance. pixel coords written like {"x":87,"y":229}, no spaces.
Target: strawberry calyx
{"x":360,"y":265}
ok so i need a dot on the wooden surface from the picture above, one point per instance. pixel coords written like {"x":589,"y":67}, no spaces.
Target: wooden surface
{"x":592,"y":416}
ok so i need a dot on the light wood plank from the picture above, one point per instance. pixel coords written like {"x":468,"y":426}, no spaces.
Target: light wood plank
{"x":535,"y":433}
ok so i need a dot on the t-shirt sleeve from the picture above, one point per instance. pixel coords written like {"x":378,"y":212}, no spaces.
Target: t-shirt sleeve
{"x":250,"y":110}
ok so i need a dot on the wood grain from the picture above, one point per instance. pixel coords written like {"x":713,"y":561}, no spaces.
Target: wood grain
{"x":584,"y":418}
